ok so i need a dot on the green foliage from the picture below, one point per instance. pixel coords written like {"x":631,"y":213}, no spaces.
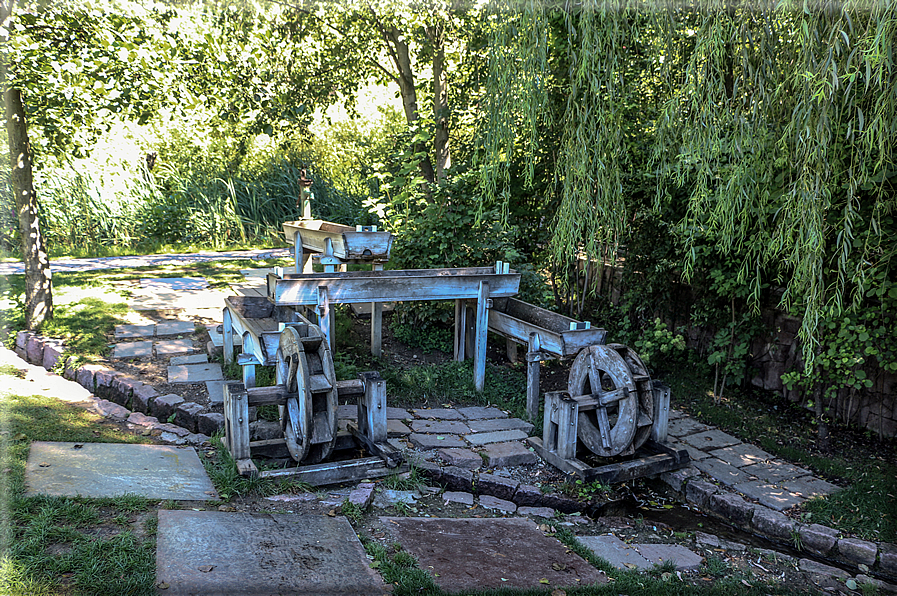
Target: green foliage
{"x":85,"y":325}
{"x":654,"y":343}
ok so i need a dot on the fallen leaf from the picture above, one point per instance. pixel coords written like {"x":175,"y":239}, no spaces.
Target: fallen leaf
{"x":331,"y":513}
{"x":558,"y":593}
{"x":374,"y":564}
{"x":206,"y":568}
{"x":19,"y":437}
{"x":558,"y":566}
{"x":745,"y":582}
{"x":226,"y":508}
{"x":44,"y":464}
{"x":851,"y":583}
{"x":666,"y":576}
{"x":77,"y":446}
{"x":864,"y":568}
{"x":630,"y":565}
{"x":162,"y":586}
{"x":543,"y":581}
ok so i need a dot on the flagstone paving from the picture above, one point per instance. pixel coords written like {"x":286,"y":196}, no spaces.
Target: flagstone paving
{"x":113,"y":469}
{"x":235,"y":554}
{"x":481,"y":553}
{"x":195,"y":373}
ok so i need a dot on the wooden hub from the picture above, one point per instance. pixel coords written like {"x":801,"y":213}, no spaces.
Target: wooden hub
{"x":305,"y":369}
{"x":616,"y":399}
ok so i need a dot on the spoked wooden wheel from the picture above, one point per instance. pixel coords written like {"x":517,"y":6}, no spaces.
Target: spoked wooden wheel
{"x":305,"y":369}
{"x":617,"y":419}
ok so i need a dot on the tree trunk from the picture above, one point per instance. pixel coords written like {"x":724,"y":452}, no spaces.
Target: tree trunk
{"x":38,"y":280}
{"x":823,"y":432}
{"x":402,"y":59}
{"x":440,"y":102}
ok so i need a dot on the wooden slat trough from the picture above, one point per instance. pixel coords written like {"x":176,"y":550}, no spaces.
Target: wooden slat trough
{"x":546,"y":334}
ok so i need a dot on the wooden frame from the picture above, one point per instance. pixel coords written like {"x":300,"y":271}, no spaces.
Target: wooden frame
{"x":558,"y":445}
{"x":370,"y":390}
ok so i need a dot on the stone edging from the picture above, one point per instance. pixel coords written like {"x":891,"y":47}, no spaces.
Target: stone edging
{"x":121,"y":397}
{"x":194,"y":426}
{"x":879,"y":557}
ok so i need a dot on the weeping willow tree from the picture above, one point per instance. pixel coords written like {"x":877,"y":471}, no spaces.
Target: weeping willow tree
{"x":776,"y":121}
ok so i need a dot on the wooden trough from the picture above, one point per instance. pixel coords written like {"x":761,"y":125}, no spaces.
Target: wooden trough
{"x":546,"y":334}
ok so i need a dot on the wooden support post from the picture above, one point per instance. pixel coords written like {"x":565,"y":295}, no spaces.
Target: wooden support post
{"x":483,"y":304}
{"x":236,"y":427}
{"x":533,"y":359}
{"x":511,"y":350}
{"x":661,"y":412}
{"x":298,"y":253}
{"x":559,"y":429}
{"x":460,"y":329}
{"x":325,"y":316}
{"x":248,"y":361}
{"x":377,"y":322}
{"x":227,"y":333}
{"x":372,"y":407}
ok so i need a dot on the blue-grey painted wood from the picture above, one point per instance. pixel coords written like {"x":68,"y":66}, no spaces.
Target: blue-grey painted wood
{"x":348,"y":244}
{"x":391,"y":286}
{"x":516,"y":320}
{"x":479,"y":351}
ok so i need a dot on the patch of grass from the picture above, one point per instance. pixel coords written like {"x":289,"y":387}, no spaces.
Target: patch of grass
{"x":51,"y":545}
{"x":351,"y":510}
{"x":222,"y":470}
{"x":866,"y":508}
{"x":401,"y":571}
{"x":413,"y":479}
{"x":716,"y":567}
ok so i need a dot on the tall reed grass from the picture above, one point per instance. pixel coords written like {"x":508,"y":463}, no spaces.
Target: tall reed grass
{"x":82,"y":216}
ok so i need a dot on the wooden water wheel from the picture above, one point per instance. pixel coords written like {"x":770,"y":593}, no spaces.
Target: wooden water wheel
{"x":305,"y":369}
{"x":616,"y":399}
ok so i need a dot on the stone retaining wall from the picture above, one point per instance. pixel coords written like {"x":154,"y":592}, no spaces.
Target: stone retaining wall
{"x":822,"y":541}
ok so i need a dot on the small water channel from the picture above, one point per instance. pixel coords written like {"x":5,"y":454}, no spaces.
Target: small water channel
{"x":655,"y":505}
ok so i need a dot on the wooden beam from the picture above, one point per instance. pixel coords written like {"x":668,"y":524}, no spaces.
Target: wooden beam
{"x":482,"y":333}
{"x":337,"y":472}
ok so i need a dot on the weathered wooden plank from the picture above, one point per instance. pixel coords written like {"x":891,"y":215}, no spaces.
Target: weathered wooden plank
{"x":276,"y":396}
{"x":661,"y":412}
{"x":250,"y":307}
{"x":337,"y":472}
{"x":390,"y":455}
{"x":377,"y":323}
{"x":245,"y":467}
{"x":482,"y":332}
{"x":642,"y":467}
{"x":516,"y":320}
{"x":236,"y":420}
{"x":348,"y":244}
{"x":272,"y":448}
{"x":391,"y":286}
{"x":571,"y":466}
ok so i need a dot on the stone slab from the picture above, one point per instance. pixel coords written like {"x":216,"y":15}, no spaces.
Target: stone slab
{"x":546,"y":512}
{"x":134,"y":331}
{"x":457,"y":497}
{"x":463,"y":458}
{"x":495,"y":424}
{"x":241,"y":554}
{"x":175,"y":328}
{"x":693,"y":454}
{"x":195,"y":373}
{"x":429,"y":442}
{"x":134,"y":349}
{"x":615,"y":551}
{"x":769,"y":495}
{"x":173,"y":284}
{"x":167,"y":347}
{"x":480,"y":412}
{"x":218,"y":339}
{"x":496,"y":504}
{"x":452,"y":427}
{"x":685,"y":426}
{"x":177,"y":300}
{"x":397,"y":413}
{"x":720,"y":470}
{"x":776,"y":471}
{"x":496,"y":437}
{"x":191,"y":359}
{"x":809,"y":487}
{"x":438,"y":413}
{"x":742,"y":455}
{"x":481,"y":553}
{"x":711,"y":439}
{"x":157,"y":472}
{"x":388,"y":498}
{"x":658,"y":554}
{"x":506,"y":454}
{"x":396,"y":428}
